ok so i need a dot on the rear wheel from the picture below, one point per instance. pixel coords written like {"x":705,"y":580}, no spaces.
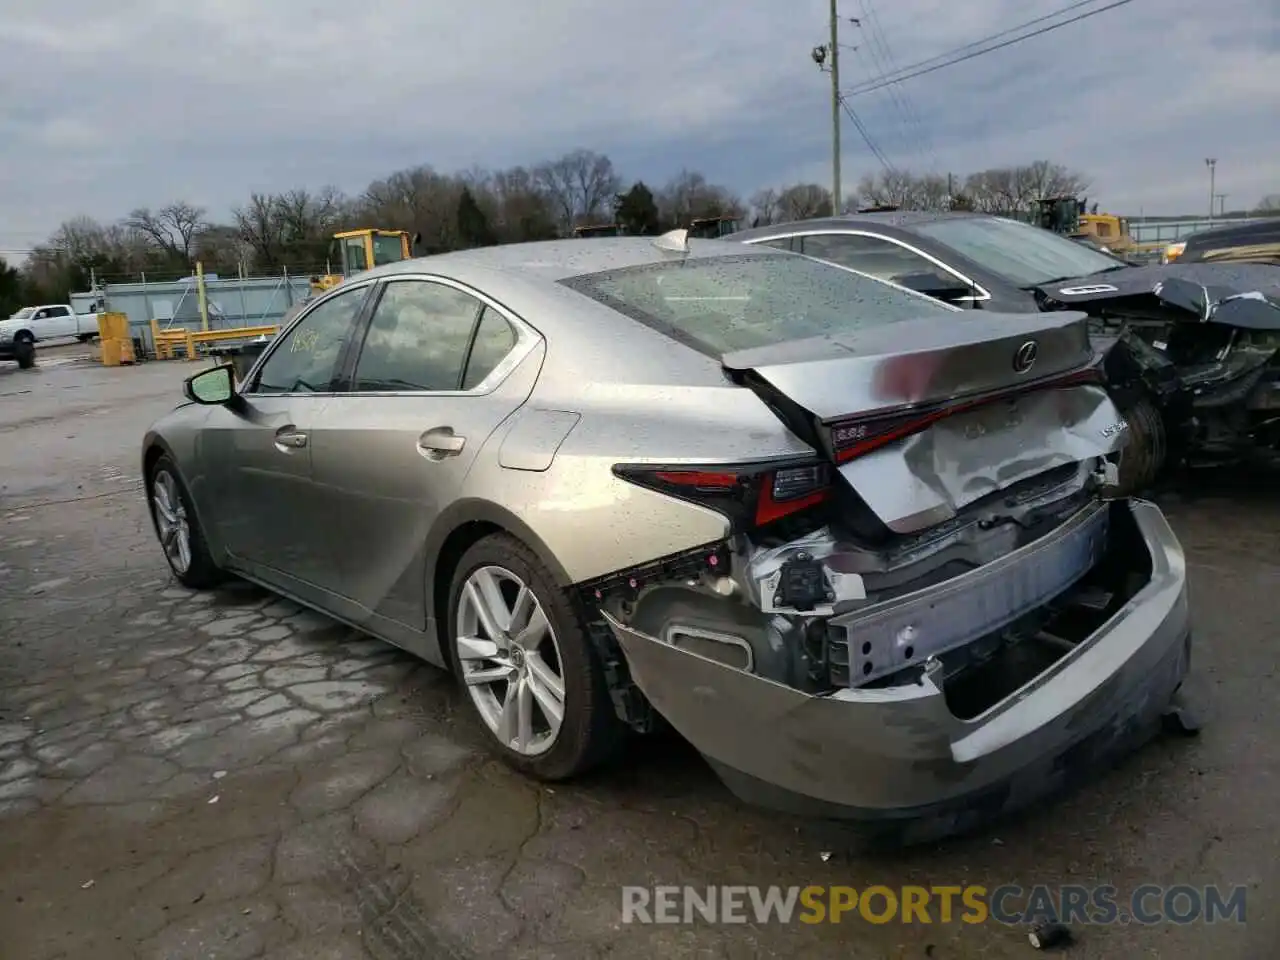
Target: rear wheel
{"x":24,"y":350}
{"x":526,"y":663}
{"x":178,"y":528}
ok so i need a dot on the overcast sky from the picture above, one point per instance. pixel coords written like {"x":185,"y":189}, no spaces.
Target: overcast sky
{"x":109,"y":106}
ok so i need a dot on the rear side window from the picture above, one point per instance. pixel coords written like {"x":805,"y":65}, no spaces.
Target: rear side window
{"x":417,"y":340}
{"x":722,"y":304}
{"x":494,"y":340}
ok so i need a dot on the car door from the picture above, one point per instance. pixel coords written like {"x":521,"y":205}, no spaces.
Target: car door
{"x":259,"y":453}
{"x":433,"y":378}
{"x":58,"y":321}
{"x":45,"y":324}
{"x":890,"y":260}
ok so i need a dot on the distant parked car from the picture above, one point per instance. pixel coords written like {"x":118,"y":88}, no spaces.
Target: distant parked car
{"x":51,"y":321}
{"x":1257,"y":242}
{"x":858,"y":546}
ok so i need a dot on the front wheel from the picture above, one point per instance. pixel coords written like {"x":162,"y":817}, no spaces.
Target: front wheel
{"x":526,"y":663}
{"x":24,"y":351}
{"x":1144,"y":459}
{"x":178,"y":529}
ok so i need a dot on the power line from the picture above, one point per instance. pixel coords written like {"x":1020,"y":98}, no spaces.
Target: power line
{"x":898,"y":93}
{"x":949,"y":59}
{"x":1003,"y":33}
{"x":866,"y":137}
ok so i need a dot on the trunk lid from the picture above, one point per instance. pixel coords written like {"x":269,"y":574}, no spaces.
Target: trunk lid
{"x":925,"y":417}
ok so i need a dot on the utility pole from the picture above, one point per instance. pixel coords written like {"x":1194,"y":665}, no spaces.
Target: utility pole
{"x":1211,"y":163}
{"x":836,"y":194}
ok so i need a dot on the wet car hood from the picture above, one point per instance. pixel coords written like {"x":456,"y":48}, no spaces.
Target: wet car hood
{"x":1232,"y":290}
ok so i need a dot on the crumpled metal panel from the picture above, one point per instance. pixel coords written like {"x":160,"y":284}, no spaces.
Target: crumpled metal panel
{"x":901,"y":747}
{"x":925,"y":479}
{"x":889,"y":636}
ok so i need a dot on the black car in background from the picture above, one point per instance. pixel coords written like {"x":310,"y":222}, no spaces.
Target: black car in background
{"x":1193,"y":349}
{"x":1257,"y":242}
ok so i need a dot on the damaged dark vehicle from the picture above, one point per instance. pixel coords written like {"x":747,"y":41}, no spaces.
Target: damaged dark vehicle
{"x":1193,"y":348}
{"x":862,"y":549}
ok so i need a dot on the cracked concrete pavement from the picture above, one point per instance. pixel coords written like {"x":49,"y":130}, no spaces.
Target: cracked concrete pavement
{"x":229,"y":776}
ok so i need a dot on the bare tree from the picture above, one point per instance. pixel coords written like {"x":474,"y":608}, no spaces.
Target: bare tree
{"x":804,"y":201}
{"x":1269,"y":205}
{"x":260,"y":229}
{"x":525,"y":211}
{"x":688,"y":196}
{"x":419,"y":200}
{"x":764,"y":206}
{"x":173,"y":228}
{"x":581,"y":185}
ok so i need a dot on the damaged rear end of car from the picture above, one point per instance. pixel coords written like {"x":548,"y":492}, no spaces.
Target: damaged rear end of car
{"x":944,"y":612}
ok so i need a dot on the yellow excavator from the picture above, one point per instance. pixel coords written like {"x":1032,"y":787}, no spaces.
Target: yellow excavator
{"x":355,"y":250}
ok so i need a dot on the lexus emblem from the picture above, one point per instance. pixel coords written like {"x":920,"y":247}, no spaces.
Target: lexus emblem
{"x":1025,"y":358}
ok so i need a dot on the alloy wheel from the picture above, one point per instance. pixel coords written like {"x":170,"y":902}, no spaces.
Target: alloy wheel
{"x":510,"y":660}
{"x":171,"y":521}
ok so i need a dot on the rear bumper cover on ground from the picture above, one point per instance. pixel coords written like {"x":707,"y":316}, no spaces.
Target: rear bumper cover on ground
{"x":898,"y":756}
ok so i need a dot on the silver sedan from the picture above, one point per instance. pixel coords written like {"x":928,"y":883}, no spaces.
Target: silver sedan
{"x":859,"y":547}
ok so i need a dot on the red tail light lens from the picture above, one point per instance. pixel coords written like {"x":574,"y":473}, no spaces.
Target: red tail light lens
{"x":750,"y":495}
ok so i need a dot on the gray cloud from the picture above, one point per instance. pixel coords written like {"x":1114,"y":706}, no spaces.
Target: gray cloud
{"x":108,"y":107}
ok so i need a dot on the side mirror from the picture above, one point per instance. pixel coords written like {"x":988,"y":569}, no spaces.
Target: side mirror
{"x":934,"y":285}
{"x":213,"y":387}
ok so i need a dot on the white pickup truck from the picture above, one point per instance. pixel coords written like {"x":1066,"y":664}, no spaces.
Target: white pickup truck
{"x":51,"y":321}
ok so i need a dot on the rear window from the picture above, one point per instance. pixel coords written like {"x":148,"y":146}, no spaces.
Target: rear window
{"x":721,"y":304}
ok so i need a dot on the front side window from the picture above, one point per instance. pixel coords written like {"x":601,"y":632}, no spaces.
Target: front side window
{"x":418,"y":339}
{"x":306,"y":358}
{"x":874,"y":255}
{"x":738,"y":302}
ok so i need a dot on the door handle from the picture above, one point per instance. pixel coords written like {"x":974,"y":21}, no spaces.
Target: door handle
{"x":440,"y":442}
{"x":288,"y":439}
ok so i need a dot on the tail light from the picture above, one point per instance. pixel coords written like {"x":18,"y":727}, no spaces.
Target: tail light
{"x":750,"y":495}
{"x":853,"y":437}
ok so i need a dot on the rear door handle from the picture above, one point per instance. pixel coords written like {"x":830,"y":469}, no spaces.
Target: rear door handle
{"x":289,"y":438}
{"x":440,"y":442}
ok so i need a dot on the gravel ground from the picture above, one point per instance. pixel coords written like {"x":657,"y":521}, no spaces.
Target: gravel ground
{"x":229,"y":776}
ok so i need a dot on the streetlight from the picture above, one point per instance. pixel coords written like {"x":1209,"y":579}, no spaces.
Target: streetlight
{"x":1211,"y":163}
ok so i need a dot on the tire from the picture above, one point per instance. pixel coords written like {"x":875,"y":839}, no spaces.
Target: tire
{"x":1143,"y":459}
{"x":24,"y":351}
{"x":589,"y":731}
{"x":193,"y":567}
{"x":85,"y":337}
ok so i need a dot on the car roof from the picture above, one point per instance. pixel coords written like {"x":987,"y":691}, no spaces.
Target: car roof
{"x":1242,"y":231}
{"x":553,"y":260}
{"x":900,"y":219}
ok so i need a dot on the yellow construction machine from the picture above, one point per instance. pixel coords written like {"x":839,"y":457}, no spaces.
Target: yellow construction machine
{"x":1067,"y":216}
{"x":355,"y":250}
